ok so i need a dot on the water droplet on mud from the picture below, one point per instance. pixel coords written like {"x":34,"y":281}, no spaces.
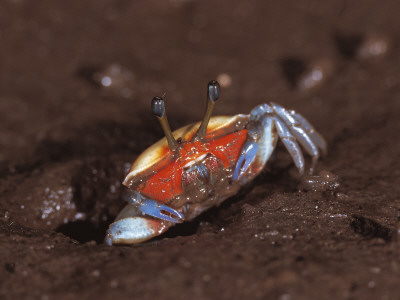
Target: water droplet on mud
{"x":374,"y":45}
{"x":115,"y":78}
{"x":224,"y":79}
{"x":337,"y":216}
{"x":317,"y":72}
{"x":106,"y":81}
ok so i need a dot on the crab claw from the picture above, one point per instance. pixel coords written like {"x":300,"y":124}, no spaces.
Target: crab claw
{"x":153,"y":208}
{"x":247,"y":156}
{"x":132,"y":230}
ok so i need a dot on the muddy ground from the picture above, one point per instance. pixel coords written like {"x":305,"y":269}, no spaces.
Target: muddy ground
{"x":76,"y":79}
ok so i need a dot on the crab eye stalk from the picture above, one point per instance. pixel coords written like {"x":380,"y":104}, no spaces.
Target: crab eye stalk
{"x":158,"y":109}
{"x":213,"y":93}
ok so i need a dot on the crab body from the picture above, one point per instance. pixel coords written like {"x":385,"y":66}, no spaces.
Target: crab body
{"x":169,"y":185}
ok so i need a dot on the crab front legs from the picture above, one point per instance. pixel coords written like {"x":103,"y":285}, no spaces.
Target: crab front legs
{"x":135,"y":224}
{"x":267,"y":122}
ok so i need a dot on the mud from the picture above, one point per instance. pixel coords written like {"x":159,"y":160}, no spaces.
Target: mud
{"x":76,"y":80}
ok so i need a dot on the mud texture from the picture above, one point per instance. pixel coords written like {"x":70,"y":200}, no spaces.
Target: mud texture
{"x":76,"y":80}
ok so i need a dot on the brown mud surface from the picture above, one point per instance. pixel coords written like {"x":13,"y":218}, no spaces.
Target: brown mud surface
{"x":76,"y":79}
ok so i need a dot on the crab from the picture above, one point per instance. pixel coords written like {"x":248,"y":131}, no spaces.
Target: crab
{"x":201,"y":165}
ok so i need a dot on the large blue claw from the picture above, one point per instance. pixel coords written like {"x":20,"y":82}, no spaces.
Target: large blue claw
{"x":247,"y":156}
{"x":153,"y":208}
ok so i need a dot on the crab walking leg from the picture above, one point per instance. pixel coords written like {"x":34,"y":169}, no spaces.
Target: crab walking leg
{"x":131,"y":229}
{"x":266,"y":122}
{"x":300,"y":134}
{"x":315,"y":136}
{"x":290,"y":143}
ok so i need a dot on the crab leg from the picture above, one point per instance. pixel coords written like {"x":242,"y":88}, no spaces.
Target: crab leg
{"x":315,"y":136}
{"x":299,"y":132}
{"x":290,"y":143}
{"x":267,"y":121}
{"x":131,"y":229}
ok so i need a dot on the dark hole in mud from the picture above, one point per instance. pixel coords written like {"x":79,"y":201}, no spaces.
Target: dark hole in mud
{"x":370,"y":228}
{"x":292,"y":69}
{"x":84,"y":231}
{"x":184,"y":229}
{"x":97,"y":140}
{"x":10,"y":267}
{"x":347,"y":45}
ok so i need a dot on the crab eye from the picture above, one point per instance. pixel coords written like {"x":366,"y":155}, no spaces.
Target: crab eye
{"x":214,"y":90}
{"x":158,"y":107}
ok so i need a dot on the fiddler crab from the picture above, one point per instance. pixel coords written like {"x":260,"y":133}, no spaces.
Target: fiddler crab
{"x":200,"y":165}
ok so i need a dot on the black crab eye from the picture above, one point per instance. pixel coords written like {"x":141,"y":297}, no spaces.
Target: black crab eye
{"x":214,"y":90}
{"x":158,"y":107}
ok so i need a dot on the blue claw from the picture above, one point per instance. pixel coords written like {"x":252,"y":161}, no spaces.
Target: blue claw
{"x":247,"y":156}
{"x":153,"y":208}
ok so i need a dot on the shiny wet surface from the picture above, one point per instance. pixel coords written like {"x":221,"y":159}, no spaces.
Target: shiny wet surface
{"x":75,"y":90}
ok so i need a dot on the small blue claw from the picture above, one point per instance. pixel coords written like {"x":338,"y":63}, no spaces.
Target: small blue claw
{"x":247,"y":156}
{"x":153,"y":208}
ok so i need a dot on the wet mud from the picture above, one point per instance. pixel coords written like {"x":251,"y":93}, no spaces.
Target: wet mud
{"x":76,"y":80}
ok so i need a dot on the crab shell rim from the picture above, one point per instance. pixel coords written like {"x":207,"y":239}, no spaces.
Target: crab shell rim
{"x":156,"y":152}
